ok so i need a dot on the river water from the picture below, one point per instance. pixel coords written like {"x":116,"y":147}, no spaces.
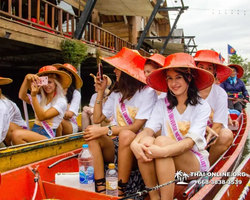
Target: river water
{"x":247,"y":145}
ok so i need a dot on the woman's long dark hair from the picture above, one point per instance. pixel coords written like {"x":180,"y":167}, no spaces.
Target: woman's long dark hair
{"x":192,"y":92}
{"x":71,"y":89}
{"x":127,"y":86}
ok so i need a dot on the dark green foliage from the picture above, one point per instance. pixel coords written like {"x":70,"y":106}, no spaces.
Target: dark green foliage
{"x":74,"y":51}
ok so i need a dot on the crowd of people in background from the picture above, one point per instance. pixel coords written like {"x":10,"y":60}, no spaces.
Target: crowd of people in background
{"x":159,"y":111}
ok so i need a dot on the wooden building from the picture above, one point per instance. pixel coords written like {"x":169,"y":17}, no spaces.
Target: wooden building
{"x":31,"y":32}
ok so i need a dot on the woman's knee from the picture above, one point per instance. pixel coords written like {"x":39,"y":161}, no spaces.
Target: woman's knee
{"x":126,"y":137}
{"x":163,"y":141}
{"x":226,"y":136}
{"x":147,"y":140}
{"x":16,"y":135}
{"x":85,"y":115}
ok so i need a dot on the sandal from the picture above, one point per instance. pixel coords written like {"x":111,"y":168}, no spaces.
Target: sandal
{"x":122,"y":187}
{"x":100,"y":182}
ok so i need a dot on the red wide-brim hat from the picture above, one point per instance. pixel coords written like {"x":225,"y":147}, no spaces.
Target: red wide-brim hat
{"x":157,"y":78}
{"x":130,"y":62}
{"x":73,"y":70}
{"x":239,"y":69}
{"x":210,"y":56}
{"x":5,"y":81}
{"x":158,"y":58}
{"x":64,"y":78}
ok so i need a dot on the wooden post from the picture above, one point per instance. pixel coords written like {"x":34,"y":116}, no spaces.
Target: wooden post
{"x":10,"y":6}
{"x":72,"y":26}
{"x":67,"y":23}
{"x":29,"y":10}
{"x":53,"y":18}
{"x":20,"y":8}
{"x":60,"y":20}
{"x":38,"y":11}
{"x":46,"y":14}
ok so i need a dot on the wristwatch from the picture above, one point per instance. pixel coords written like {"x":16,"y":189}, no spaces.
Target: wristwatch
{"x":110,"y":132}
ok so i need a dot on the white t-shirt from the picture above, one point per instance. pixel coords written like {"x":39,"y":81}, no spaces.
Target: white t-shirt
{"x":139,"y":106}
{"x":14,"y":112}
{"x":60,"y":105}
{"x":192,"y":123}
{"x":75,"y":102}
{"x":4,"y":120}
{"x":92,"y":100}
{"x":217,"y":99}
{"x":162,"y":95}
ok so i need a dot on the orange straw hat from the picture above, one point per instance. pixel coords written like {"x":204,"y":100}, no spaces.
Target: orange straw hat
{"x":5,"y":81}
{"x":130,"y":62}
{"x":73,"y":70}
{"x":157,"y":78}
{"x":239,"y":69}
{"x":158,"y":58}
{"x":109,"y":82}
{"x":64,"y":78}
{"x":222,"y":71}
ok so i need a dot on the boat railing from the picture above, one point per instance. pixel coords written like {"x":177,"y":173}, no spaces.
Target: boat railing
{"x":46,"y":16}
{"x":71,"y":136}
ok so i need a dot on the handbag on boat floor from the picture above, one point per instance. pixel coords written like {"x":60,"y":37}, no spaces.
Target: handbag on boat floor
{"x":69,"y":179}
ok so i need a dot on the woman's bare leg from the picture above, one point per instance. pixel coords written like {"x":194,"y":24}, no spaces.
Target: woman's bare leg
{"x":126,"y":158}
{"x":85,"y":120}
{"x":103,"y":150}
{"x":66,"y":127}
{"x":148,"y":171}
{"x":59,"y":130}
{"x":225,"y":139}
{"x":12,"y":127}
{"x":186,"y":162}
{"x":25,"y":136}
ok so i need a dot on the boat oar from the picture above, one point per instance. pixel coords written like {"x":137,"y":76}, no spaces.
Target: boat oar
{"x":63,"y":159}
{"x":147,"y":190}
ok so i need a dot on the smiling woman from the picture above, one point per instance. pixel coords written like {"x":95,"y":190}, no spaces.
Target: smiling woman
{"x":48,"y":102}
{"x":182,"y":117}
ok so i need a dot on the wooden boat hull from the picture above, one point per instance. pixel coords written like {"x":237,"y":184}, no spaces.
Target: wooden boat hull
{"x":19,"y":183}
{"x":228,"y":163}
{"x":234,"y":191}
{"x":19,"y":155}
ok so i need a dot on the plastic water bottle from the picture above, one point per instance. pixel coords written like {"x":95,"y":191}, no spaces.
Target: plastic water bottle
{"x":112,"y":181}
{"x":86,"y":169}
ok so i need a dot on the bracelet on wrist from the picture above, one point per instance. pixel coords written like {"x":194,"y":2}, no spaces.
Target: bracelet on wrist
{"x":98,"y":101}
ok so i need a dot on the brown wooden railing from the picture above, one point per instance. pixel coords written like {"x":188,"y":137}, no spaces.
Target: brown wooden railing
{"x":46,"y":16}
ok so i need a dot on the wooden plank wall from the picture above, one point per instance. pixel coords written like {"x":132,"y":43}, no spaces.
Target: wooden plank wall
{"x":118,"y":28}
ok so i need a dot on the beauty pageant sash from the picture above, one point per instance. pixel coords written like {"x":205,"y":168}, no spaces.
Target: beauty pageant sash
{"x":45,"y":125}
{"x":179,"y":136}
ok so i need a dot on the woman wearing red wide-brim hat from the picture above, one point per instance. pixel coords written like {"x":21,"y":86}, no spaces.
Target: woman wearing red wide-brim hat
{"x":182,"y":117}
{"x":69,"y":124}
{"x":236,"y":89}
{"x":154,"y":62}
{"x":48,"y":102}
{"x":217,"y":99}
{"x":211,"y":61}
{"x":130,"y":102}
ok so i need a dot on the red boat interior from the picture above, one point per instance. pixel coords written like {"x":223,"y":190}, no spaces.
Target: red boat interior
{"x":20,"y":183}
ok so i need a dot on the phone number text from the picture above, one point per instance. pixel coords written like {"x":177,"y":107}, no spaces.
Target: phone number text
{"x":219,"y":182}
